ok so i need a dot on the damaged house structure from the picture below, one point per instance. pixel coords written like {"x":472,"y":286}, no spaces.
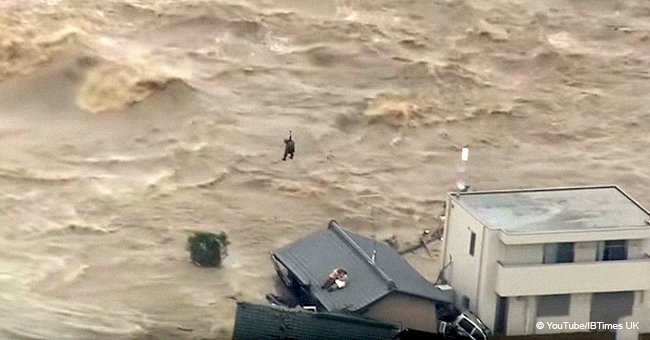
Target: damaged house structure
{"x":266,"y":322}
{"x":375,"y":281}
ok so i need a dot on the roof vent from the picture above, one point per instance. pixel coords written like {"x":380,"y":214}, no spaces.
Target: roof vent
{"x":444,"y":287}
{"x":647,"y":222}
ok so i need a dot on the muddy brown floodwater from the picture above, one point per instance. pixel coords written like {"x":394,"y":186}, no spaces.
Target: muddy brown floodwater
{"x":125,"y":125}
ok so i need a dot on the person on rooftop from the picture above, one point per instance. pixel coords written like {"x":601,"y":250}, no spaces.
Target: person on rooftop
{"x":338,"y":274}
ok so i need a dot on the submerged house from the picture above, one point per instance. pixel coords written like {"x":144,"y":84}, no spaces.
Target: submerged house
{"x":522,"y":258}
{"x":380,"y":284}
{"x":266,"y":322}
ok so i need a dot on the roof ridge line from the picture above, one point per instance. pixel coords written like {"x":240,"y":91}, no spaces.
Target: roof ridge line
{"x":334,"y":226}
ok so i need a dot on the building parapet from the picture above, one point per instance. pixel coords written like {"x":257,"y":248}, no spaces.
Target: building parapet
{"x":555,"y":236}
{"x":572,"y":278}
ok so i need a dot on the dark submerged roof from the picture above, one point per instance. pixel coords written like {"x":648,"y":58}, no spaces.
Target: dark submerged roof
{"x":314,"y":257}
{"x":262,"y":322}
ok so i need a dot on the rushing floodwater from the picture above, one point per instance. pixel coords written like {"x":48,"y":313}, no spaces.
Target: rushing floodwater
{"x":125,"y":125}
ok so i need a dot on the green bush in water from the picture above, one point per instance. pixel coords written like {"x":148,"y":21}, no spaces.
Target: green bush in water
{"x":208,"y":249}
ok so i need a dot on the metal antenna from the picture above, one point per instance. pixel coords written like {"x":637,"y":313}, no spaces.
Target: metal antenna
{"x":461,"y":184}
{"x":374,"y":250}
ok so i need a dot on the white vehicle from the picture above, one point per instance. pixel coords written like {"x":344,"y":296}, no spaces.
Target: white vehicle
{"x":465,"y":326}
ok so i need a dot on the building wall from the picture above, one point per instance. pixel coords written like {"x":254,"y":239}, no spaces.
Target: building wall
{"x":585,"y":251}
{"x":522,"y":310}
{"x":641,"y":314}
{"x":645,"y":247}
{"x":520,"y":254}
{"x":408,"y":311}
{"x":636,"y":249}
{"x":463,"y":273}
{"x":521,"y":315}
{"x":474,"y":276}
{"x":642,"y":308}
{"x":493,"y":250}
{"x":572,"y":278}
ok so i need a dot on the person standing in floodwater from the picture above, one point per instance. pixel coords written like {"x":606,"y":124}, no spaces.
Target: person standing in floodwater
{"x":289,"y":147}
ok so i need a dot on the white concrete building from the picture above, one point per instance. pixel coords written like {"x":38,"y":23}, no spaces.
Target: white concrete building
{"x":520,"y":257}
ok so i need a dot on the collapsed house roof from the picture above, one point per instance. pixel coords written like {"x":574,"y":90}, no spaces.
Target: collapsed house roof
{"x":311,"y":259}
{"x":262,"y":322}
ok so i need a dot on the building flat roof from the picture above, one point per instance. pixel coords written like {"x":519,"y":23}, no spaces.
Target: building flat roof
{"x":555,"y":209}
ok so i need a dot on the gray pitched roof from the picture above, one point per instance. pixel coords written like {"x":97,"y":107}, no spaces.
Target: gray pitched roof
{"x":262,"y":322}
{"x":312,"y":259}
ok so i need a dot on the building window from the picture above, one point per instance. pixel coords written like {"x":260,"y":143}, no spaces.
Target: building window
{"x":553,"y":305}
{"x":612,"y":250}
{"x":501,"y":320}
{"x":465,"y":302}
{"x":610,"y":307}
{"x":472,"y":243}
{"x":558,"y":253}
